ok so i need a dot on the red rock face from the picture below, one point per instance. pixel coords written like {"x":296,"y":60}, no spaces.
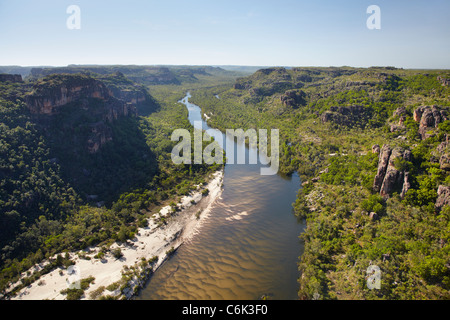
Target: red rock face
{"x":48,"y":96}
{"x":51,"y":94}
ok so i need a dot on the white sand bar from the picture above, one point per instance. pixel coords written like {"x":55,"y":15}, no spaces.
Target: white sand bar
{"x":149,"y":242}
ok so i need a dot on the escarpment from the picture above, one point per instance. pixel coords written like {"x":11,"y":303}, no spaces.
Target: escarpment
{"x":56,"y":91}
{"x":130,"y":92}
{"x":78,"y":106}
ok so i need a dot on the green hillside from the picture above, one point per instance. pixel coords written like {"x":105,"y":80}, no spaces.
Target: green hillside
{"x":333,"y":125}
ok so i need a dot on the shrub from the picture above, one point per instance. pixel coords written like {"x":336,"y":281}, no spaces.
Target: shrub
{"x":73,"y":294}
{"x":117,"y":253}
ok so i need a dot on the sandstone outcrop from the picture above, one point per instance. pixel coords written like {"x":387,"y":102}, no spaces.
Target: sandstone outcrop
{"x":406,"y":185}
{"x":429,"y":118}
{"x":151,"y":75}
{"x":389,"y":178}
{"x":443,"y":197}
{"x":375,"y":148}
{"x":135,"y":97}
{"x":444,"y":162}
{"x":401,"y":111}
{"x":87,"y":104}
{"x":443,"y":81}
{"x":55,"y":91}
{"x":293,"y":98}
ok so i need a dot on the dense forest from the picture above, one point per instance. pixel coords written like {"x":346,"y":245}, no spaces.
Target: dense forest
{"x":371,"y":147}
{"x":89,"y":172}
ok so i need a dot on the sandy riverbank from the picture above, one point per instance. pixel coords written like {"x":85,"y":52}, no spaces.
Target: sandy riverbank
{"x":151,"y":241}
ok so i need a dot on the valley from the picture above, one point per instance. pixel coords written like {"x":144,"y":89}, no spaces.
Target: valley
{"x":363,"y":180}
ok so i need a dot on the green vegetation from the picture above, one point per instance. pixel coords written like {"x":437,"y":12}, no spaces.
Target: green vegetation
{"x":55,"y":196}
{"x":329,"y":119}
{"x":78,"y":293}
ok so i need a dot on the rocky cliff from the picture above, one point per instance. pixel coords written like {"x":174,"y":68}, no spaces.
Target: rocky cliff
{"x":130,"y":92}
{"x":399,"y":115}
{"x":429,"y":118}
{"x":80,"y":103}
{"x":389,"y":178}
{"x":10,"y":77}
{"x":55,"y":91}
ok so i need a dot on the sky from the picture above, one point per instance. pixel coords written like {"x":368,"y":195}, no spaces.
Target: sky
{"x":413,"y":34}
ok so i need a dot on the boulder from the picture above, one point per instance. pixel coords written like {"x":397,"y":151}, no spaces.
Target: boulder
{"x":347,"y":116}
{"x":443,"y":146}
{"x":392,"y":176}
{"x":373,"y":216}
{"x":397,"y":127}
{"x":375,"y":148}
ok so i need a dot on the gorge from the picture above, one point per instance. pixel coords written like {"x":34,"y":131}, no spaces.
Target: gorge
{"x":248,"y":247}
{"x":363,"y":175}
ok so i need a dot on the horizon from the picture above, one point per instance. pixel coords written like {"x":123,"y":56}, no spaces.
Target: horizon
{"x":216,"y":66}
{"x":411,"y":34}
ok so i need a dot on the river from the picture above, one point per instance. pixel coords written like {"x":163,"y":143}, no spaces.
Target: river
{"x":246,"y":249}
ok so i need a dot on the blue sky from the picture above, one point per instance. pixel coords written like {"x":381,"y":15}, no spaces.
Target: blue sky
{"x":414,"y":33}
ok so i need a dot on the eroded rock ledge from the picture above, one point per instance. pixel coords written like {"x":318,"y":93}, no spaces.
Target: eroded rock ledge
{"x":89,"y":99}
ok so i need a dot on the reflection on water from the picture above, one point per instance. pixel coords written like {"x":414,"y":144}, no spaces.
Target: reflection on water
{"x":247,"y":248}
